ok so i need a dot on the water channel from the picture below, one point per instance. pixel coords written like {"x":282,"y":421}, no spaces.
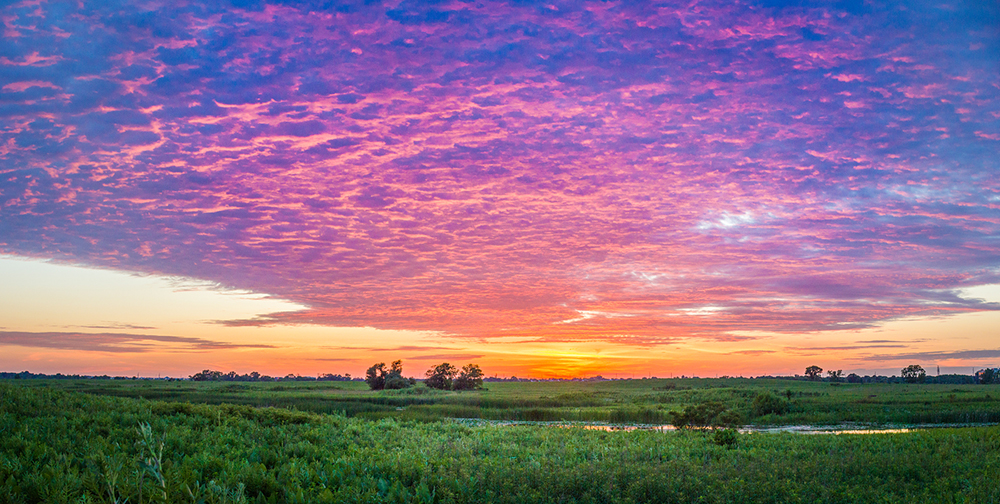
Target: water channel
{"x":751,"y":429}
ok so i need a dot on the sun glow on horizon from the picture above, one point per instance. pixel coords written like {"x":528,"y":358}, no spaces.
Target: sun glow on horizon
{"x":153,"y":325}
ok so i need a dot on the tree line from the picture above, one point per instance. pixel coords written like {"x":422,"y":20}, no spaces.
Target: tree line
{"x":913,"y":373}
{"x":444,"y":376}
{"x":210,"y":375}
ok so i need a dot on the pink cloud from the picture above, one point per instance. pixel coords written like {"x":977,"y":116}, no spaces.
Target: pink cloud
{"x":497,"y":170}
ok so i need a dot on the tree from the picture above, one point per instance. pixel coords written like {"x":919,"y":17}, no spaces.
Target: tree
{"x":987,"y":376}
{"x":207,"y":375}
{"x":440,"y":376}
{"x":470,"y":378}
{"x":835,"y":376}
{"x":375,"y":376}
{"x":813,"y":372}
{"x":379,"y":378}
{"x":394,"y":379}
{"x":396,"y":368}
{"x":913,"y":374}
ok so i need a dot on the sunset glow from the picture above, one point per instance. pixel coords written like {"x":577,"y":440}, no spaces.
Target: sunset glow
{"x":548,"y":189}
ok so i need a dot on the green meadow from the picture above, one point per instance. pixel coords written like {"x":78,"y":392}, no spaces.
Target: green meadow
{"x":138,"y":441}
{"x":613,"y":401}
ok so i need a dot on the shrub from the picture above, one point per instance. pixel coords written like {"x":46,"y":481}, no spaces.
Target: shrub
{"x":767,"y":403}
{"x":726,"y":437}
{"x":396,"y":382}
{"x":706,"y":414}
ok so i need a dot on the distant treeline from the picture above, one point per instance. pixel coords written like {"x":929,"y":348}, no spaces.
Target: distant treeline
{"x":947,"y":379}
{"x":24,"y":375}
{"x":984,"y":376}
{"x":209,"y":375}
{"x":206,"y":375}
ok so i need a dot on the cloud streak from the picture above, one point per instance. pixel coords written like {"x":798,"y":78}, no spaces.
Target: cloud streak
{"x":936,"y":356}
{"x":116,"y":342}
{"x":493,"y":170}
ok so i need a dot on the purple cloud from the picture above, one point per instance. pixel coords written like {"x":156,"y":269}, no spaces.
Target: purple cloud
{"x":492,"y":169}
{"x":115,"y":342}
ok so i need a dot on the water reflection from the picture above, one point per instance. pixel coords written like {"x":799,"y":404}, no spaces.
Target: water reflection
{"x":794,"y":429}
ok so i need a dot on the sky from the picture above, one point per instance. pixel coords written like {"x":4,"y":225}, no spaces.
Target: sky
{"x":547,"y":189}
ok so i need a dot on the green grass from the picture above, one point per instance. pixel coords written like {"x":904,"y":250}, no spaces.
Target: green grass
{"x":624,"y":401}
{"x":58,"y":446}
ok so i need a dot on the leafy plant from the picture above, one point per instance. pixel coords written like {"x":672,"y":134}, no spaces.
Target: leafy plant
{"x":726,"y":437}
{"x":151,"y":461}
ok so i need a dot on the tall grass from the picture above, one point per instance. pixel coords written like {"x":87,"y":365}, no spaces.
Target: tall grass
{"x":59,"y":446}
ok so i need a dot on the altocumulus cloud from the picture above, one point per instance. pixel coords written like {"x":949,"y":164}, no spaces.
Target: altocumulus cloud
{"x":488,"y":169}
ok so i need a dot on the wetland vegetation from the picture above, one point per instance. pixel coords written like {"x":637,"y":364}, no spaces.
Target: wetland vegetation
{"x":646,"y":401}
{"x":213,"y":442}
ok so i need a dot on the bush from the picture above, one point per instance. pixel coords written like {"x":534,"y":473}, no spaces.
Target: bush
{"x":726,"y":437}
{"x":706,"y":414}
{"x":767,"y":403}
{"x":395,"y":382}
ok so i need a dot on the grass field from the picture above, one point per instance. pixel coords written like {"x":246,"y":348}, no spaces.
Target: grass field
{"x":618,"y":401}
{"x":62,"y":446}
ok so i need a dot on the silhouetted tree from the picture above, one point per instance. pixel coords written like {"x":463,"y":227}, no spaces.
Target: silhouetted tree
{"x":375,"y":376}
{"x":913,"y":374}
{"x":835,"y":376}
{"x":470,"y":378}
{"x":813,"y":372}
{"x":988,"y":375}
{"x":394,"y":379}
{"x":440,"y":376}
{"x":207,"y":375}
{"x":379,"y":378}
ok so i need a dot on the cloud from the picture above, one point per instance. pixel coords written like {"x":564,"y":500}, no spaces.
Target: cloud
{"x":119,"y":326}
{"x":487,"y":171}
{"x":936,"y":356}
{"x":115,"y":342}
{"x":816,"y":350}
{"x":752,"y":352}
{"x":402,"y":348}
{"x":448,"y":357}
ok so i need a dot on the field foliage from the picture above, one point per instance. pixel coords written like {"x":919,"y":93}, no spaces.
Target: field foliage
{"x":59,"y":446}
{"x":751,"y":401}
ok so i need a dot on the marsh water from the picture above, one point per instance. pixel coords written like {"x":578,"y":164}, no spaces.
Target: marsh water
{"x":751,"y":429}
